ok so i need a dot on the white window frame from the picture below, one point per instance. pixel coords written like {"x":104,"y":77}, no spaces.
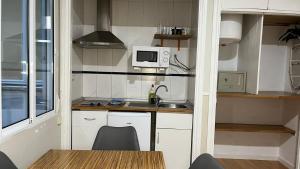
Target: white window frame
{"x":33,"y":120}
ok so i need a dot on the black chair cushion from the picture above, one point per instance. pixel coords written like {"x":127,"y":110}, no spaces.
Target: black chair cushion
{"x":116,"y":138}
{"x":5,"y":162}
{"x":206,"y":161}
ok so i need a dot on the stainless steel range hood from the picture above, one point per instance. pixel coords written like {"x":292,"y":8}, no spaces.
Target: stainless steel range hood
{"x":102,"y":38}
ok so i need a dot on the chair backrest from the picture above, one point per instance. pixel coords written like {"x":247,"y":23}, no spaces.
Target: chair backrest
{"x":116,"y":138}
{"x":206,"y":161}
{"x":5,"y":162}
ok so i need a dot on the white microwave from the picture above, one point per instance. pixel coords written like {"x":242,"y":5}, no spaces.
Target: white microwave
{"x":155,"y":57}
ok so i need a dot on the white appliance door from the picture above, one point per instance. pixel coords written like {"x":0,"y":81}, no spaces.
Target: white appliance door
{"x":140,"y":121}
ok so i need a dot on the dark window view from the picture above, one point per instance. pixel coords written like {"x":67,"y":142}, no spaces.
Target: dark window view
{"x":44,"y":57}
{"x":14,"y":61}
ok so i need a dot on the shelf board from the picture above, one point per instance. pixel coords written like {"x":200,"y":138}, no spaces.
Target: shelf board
{"x":280,"y":20}
{"x":261,"y":95}
{"x":253,"y":128}
{"x":163,"y":37}
{"x":172,"y":37}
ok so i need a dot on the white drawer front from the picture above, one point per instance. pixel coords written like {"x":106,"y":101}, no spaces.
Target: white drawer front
{"x":174,"y":121}
{"x":89,"y":118}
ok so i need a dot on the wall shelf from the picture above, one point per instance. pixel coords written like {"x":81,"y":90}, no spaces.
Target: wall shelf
{"x":163,"y":37}
{"x":261,"y":95}
{"x":253,"y":128}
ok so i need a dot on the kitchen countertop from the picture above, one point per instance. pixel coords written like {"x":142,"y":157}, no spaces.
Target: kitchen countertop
{"x":132,"y":108}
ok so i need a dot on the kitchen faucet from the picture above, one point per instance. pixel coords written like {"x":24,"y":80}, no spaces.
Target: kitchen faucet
{"x":157,"y":98}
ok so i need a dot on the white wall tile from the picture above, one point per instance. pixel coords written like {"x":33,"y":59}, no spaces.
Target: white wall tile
{"x":76,"y":86}
{"x":183,"y":56}
{"x":89,"y":85}
{"x":90,"y":12}
{"x":151,"y":13}
{"x":120,"y":12}
{"x":104,"y":86}
{"x":136,"y":13}
{"x":183,"y":14}
{"x":164,"y":80}
{"x":119,"y":86}
{"x":166,"y":12}
{"x":105,"y":60}
{"x":178,"y":88}
{"x":90,"y":60}
{"x":120,"y":60}
{"x":134,"y":87}
{"x":147,"y":81}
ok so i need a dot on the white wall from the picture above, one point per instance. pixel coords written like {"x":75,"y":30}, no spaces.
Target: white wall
{"x":27,"y":146}
{"x":228,"y":57}
{"x":274,"y":60}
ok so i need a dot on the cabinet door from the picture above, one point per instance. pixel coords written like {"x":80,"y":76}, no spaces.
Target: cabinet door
{"x":85,"y":126}
{"x":176,"y":147}
{"x":244,"y":4}
{"x":285,"y":5}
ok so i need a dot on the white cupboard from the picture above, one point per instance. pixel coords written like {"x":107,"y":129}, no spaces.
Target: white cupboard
{"x":85,"y":125}
{"x":284,"y":5}
{"x":173,"y":138}
{"x":244,"y":4}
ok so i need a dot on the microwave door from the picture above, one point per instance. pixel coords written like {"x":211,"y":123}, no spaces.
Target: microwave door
{"x":148,"y":57}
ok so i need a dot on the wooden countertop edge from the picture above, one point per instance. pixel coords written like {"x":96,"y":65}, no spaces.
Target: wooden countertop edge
{"x":133,"y":109}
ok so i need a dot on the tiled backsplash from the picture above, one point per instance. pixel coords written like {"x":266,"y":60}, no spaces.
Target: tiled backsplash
{"x":128,"y":86}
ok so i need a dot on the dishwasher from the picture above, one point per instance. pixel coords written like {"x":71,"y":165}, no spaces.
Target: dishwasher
{"x":141,"y":121}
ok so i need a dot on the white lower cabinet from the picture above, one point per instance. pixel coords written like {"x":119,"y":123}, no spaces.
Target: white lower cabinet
{"x":173,"y":138}
{"x":85,"y":125}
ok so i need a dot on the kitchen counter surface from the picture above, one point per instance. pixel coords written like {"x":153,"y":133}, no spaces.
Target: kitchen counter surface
{"x":132,"y":107}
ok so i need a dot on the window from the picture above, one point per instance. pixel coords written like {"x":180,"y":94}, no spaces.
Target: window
{"x":16,"y":74}
{"x":44,"y":57}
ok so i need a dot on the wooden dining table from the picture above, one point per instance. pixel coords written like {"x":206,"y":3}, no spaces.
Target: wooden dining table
{"x":90,"y":159}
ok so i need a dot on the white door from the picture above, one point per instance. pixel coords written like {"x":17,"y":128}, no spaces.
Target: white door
{"x":244,"y":4}
{"x":176,"y":147}
{"x":85,"y":126}
{"x":285,"y":5}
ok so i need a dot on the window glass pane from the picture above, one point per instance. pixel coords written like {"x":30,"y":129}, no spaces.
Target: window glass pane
{"x":14,"y":61}
{"x":44,"y":56}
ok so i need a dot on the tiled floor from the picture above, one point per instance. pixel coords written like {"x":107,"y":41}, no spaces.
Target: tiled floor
{"x":250,"y":164}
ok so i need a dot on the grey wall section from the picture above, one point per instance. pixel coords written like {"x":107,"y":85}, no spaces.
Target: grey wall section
{"x":29,"y":145}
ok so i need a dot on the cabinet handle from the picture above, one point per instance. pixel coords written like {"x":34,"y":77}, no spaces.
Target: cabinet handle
{"x":157,"y":138}
{"x":90,"y":119}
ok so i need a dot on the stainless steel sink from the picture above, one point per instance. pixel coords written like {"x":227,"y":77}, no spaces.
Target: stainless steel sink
{"x":172,"y":105}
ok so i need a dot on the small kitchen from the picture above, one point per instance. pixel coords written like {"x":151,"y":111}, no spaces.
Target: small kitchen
{"x":141,"y":74}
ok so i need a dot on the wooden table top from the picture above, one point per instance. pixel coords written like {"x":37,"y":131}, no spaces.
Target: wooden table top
{"x":85,"y":159}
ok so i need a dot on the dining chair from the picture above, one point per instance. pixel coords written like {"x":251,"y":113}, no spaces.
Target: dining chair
{"x":5,"y":162}
{"x":205,"y":161}
{"x":116,"y":138}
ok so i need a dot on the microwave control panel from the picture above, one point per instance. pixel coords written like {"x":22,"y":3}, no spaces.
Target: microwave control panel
{"x":165,"y":54}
